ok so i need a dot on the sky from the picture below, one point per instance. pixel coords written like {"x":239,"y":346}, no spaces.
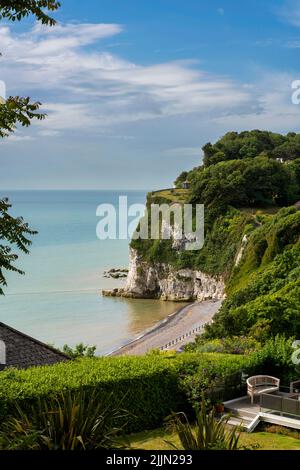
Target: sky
{"x":134,"y":88}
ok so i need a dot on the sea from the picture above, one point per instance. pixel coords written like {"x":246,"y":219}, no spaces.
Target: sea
{"x":58,"y":300}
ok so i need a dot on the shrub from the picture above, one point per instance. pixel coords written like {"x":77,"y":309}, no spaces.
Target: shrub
{"x":275,"y":429}
{"x":229,"y":345}
{"x":209,"y":434}
{"x":225,"y":379}
{"x":80,"y":350}
{"x":218,"y":381}
{"x":71,"y":421}
{"x":264,"y":289}
{"x":149,"y":387}
{"x":275,"y":359}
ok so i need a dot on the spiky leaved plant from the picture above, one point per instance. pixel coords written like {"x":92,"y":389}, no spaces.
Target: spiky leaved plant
{"x":207,"y":433}
{"x":74,"y":420}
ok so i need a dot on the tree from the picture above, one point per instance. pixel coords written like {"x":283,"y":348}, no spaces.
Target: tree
{"x":80,"y":350}
{"x":15,"y":232}
{"x":181,"y":178}
{"x":16,"y":10}
{"x":251,"y":182}
{"x":250,"y":144}
{"x":18,"y":110}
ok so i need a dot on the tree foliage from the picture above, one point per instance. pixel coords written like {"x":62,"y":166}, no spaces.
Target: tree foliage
{"x":252,"y":173}
{"x":14,"y":232}
{"x":17,"y":110}
{"x":80,"y":350}
{"x":16,"y":10}
{"x":20,"y":110}
{"x":252,"y":182}
{"x":264,"y":289}
{"x":251,"y":144}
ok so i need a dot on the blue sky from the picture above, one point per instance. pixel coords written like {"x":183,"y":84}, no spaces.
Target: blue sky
{"x":133,"y":88}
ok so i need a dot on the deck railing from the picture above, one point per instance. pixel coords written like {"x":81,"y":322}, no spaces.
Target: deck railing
{"x":281,"y":404}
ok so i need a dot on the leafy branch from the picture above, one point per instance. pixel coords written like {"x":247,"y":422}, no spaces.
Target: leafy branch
{"x":18,"y":110}
{"x":15,"y":232}
{"x":16,"y":10}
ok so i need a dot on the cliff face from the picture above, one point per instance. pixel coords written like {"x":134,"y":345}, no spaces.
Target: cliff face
{"x":154,"y":264}
{"x":162,"y":281}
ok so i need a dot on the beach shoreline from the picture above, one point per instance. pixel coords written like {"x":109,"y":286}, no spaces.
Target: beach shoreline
{"x":179,"y":328}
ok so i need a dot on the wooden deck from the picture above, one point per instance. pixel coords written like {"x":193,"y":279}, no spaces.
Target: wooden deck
{"x":243,"y":405}
{"x":248,"y":416}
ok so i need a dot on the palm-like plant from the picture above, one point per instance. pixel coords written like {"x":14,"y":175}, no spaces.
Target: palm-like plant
{"x":77,"y":420}
{"x":208,"y":433}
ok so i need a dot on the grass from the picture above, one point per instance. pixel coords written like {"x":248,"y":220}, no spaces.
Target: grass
{"x":155,"y":440}
{"x":271,"y":210}
{"x":174,"y":195}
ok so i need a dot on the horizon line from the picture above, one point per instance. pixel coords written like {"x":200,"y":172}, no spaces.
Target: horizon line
{"x":74,"y":189}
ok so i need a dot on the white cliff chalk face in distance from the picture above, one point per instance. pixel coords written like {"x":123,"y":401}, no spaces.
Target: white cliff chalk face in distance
{"x":165,"y":282}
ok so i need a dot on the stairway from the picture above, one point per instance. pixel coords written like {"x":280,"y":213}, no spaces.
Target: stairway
{"x":245,"y":419}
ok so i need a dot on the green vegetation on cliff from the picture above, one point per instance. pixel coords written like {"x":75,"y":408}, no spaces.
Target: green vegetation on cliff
{"x":248,"y":184}
{"x":264,"y":289}
{"x":217,"y":255}
{"x":256,"y":182}
{"x":250,"y":144}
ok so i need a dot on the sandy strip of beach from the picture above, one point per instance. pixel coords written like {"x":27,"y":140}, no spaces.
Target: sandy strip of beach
{"x":179,"y":324}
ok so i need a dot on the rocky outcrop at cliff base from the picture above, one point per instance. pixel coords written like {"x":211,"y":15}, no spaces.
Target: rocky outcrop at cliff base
{"x":163,"y":281}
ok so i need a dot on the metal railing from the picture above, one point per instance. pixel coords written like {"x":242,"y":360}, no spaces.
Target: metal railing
{"x":181,"y":338}
{"x":283,"y":405}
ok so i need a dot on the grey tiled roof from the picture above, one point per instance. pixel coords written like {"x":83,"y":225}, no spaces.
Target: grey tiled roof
{"x":22,"y":351}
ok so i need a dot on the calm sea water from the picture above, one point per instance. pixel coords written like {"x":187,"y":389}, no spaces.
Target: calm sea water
{"x":59,"y":299}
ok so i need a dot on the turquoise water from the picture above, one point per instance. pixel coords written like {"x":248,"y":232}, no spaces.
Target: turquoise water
{"x":59,"y":300}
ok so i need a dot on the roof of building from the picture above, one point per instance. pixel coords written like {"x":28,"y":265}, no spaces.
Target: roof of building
{"x":23,"y":351}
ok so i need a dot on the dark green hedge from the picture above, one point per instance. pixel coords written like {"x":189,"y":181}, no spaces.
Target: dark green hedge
{"x":149,"y":387}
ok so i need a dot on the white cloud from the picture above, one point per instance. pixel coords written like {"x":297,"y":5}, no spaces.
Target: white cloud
{"x":49,"y":133}
{"x":90,"y":88}
{"x":290,"y":12}
{"x":87,"y":89}
{"x":17,"y":137}
{"x":276,"y":111}
{"x":293,"y":44}
{"x":184,"y":152}
{"x":61,"y":116}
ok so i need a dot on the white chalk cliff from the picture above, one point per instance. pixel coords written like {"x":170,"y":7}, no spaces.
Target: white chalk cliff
{"x":163,"y":281}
